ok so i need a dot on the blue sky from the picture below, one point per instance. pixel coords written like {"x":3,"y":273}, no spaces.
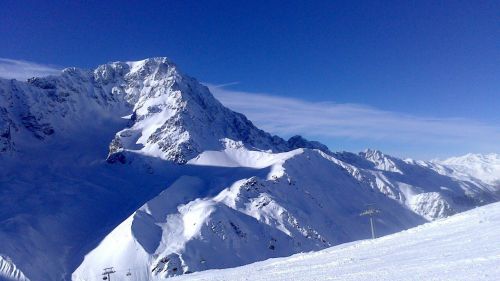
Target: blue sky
{"x":413,"y":78}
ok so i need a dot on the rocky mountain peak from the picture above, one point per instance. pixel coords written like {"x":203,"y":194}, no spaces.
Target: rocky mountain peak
{"x":171,"y":115}
{"x":177,"y":118}
{"x":381,"y":161}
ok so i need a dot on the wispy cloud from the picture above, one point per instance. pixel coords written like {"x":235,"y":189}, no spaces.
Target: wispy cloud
{"x":22,"y":70}
{"x":327,"y":120}
{"x":222,"y":85}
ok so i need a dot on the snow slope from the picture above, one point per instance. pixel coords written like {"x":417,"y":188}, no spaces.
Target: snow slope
{"x":303,"y":202}
{"x":431,"y":190}
{"x":137,"y":163}
{"x":461,"y":247}
{"x":306,"y":200}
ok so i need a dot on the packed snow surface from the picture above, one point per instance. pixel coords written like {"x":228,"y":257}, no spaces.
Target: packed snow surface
{"x":462,"y":247}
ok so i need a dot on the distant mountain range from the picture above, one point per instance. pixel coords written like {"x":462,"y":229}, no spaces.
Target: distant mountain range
{"x":484,"y":167}
{"x":137,"y":166}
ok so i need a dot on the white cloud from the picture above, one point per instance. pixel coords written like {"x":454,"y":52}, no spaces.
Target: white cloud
{"x":327,"y":120}
{"x":22,"y":70}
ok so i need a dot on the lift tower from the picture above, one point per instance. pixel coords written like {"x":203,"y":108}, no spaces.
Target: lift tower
{"x":370,"y":212}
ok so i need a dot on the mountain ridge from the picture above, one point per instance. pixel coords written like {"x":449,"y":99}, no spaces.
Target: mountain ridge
{"x":171,"y":115}
{"x":485,"y":167}
{"x":400,"y":256}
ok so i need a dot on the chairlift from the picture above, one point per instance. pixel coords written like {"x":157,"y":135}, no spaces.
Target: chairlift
{"x":129,"y":273}
{"x":105,"y":278}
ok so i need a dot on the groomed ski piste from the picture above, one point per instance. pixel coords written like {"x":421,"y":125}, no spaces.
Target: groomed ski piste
{"x":465,"y":246}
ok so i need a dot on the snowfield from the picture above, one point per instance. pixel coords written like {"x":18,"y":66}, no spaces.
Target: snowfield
{"x":465,"y":246}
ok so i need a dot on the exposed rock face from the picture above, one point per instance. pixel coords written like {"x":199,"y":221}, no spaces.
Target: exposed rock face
{"x":299,"y":142}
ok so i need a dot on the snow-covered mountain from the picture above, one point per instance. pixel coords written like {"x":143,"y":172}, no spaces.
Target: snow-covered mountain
{"x":462,"y":247}
{"x":306,"y":200}
{"x":171,"y":116}
{"x":136,"y":165}
{"x":485,"y":167}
